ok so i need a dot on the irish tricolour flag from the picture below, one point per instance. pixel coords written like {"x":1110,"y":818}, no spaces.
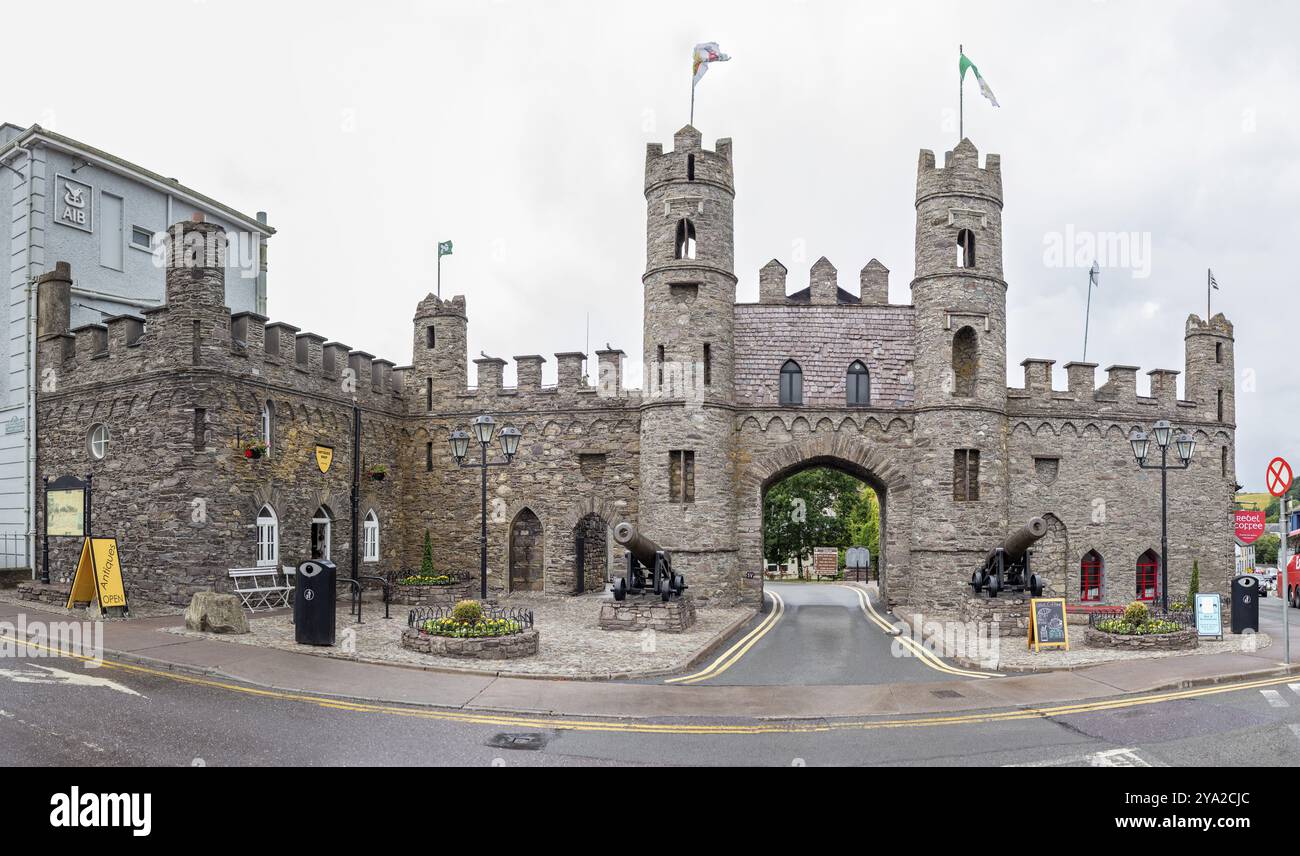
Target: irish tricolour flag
{"x":984,"y":87}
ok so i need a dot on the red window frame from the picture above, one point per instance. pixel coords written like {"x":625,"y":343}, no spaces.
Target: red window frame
{"x":1148,"y":571}
{"x":1090,"y":577}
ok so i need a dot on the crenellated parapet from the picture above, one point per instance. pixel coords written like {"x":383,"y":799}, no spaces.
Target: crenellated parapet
{"x":195,"y":332}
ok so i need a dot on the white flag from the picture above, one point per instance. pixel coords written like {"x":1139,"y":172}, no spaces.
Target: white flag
{"x":704,"y":54}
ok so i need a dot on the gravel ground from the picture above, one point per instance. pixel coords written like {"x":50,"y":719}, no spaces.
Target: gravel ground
{"x":571,"y":645}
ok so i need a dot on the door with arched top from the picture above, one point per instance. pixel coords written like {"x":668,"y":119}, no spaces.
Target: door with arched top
{"x":526,"y":552}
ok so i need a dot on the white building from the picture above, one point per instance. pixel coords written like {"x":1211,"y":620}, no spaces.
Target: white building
{"x":66,"y":201}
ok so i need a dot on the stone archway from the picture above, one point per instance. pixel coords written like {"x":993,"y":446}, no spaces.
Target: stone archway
{"x":591,"y":552}
{"x":526,"y":552}
{"x":849,"y":454}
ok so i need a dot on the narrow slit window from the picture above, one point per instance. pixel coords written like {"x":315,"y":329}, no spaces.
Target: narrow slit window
{"x":685,"y":246}
{"x":200,"y":429}
{"x":966,"y":475}
{"x":681,"y":477}
{"x":690,"y":167}
{"x":430,"y":338}
{"x":428,"y":457}
{"x":708,"y":365}
{"x":966,"y":248}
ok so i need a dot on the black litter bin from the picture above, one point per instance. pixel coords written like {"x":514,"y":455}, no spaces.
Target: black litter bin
{"x":1245,"y":604}
{"x":313,"y":603}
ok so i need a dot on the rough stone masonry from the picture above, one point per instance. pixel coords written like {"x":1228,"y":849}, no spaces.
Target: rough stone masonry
{"x":957,"y":458}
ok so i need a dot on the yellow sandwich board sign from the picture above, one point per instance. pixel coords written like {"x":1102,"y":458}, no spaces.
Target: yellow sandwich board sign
{"x":99,"y":576}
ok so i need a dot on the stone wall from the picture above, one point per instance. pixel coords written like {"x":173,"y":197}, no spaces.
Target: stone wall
{"x":489,"y":648}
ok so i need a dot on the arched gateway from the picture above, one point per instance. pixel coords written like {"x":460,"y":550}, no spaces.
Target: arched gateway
{"x":842,"y":451}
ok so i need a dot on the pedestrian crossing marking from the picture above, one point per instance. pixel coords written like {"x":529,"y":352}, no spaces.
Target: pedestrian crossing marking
{"x":1274,"y":698}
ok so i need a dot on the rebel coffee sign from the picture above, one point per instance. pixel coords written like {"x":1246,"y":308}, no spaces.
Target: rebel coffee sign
{"x":1249,"y":525}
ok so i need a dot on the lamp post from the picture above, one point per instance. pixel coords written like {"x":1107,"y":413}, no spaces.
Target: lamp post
{"x":1185,"y":445}
{"x":484,"y":427}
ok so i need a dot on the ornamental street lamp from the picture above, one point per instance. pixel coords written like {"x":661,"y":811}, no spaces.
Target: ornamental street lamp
{"x":1185,"y":445}
{"x":484,"y":427}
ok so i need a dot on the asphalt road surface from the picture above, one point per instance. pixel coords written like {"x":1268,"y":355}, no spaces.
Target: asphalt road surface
{"x":822,"y":635}
{"x":54,"y":712}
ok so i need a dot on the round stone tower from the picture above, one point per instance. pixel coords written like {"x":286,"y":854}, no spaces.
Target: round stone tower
{"x":687,"y":468}
{"x":960,"y":452}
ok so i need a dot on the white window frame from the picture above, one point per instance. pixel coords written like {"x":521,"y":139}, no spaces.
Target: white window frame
{"x":322,"y":517}
{"x":98,"y":447}
{"x":370,"y":537}
{"x":268,"y":538}
{"x":144,"y":248}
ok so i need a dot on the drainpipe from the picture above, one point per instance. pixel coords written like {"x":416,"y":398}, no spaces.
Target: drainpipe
{"x":29,"y":358}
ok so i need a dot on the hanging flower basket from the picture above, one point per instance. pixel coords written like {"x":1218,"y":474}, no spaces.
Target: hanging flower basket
{"x":254,"y":450}
{"x":378,"y":472}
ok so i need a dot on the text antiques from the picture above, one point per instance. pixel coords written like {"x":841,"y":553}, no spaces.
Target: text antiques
{"x":99,"y":577}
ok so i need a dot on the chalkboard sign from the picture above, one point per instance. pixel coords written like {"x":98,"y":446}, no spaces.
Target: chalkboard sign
{"x":1047,"y":624}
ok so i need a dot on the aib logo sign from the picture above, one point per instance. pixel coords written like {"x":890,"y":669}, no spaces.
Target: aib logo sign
{"x":72,"y":203}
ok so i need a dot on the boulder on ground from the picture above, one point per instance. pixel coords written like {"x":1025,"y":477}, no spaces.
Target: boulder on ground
{"x":210,"y":612}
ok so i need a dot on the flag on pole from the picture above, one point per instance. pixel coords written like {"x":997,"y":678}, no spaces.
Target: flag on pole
{"x":1094,"y":276}
{"x":444,"y":249}
{"x":984,"y":87}
{"x":704,"y":54}
{"x":1214,"y":283}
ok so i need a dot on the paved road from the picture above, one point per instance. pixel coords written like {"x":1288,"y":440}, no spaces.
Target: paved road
{"x":820,"y":635}
{"x":54,"y":712}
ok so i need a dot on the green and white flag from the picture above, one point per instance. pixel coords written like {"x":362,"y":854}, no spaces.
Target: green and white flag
{"x":444,"y":249}
{"x":984,"y":87}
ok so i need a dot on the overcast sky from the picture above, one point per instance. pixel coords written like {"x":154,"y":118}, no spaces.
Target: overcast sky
{"x":370,"y":131}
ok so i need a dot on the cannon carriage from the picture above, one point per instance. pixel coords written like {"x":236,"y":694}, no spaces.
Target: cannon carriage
{"x":1007,"y":566}
{"x":649,"y":567}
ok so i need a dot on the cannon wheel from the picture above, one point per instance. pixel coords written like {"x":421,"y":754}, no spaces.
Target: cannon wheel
{"x":620,"y":589}
{"x":977,"y":581}
{"x":1035,"y":585}
{"x":679,"y":584}
{"x":992,"y":585}
{"x":666,"y":588}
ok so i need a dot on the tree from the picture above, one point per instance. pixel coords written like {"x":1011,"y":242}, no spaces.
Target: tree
{"x":819,"y":507}
{"x":426,"y":561}
{"x":1194,"y":587}
{"x":1267,"y":548}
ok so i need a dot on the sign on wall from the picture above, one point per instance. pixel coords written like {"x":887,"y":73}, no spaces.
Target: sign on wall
{"x":1249,"y":526}
{"x":72,"y":203}
{"x":65,"y":513}
{"x":324,"y":457}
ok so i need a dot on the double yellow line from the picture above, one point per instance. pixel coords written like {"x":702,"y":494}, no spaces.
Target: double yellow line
{"x":925,"y":655}
{"x":733,"y":654}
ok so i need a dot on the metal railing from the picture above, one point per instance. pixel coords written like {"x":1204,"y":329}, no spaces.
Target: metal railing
{"x":1184,"y":619}
{"x":518,"y":614}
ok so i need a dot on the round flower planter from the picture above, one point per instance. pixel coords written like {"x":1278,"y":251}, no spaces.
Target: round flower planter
{"x":1183,"y":640}
{"x":487,"y":648}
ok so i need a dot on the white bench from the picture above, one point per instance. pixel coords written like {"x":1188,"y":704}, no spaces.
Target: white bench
{"x":263,"y":588}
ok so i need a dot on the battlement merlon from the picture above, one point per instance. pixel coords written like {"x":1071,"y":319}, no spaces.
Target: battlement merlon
{"x":432,"y":306}
{"x":1120,"y":387}
{"x":689,"y":162}
{"x":1219,"y":325}
{"x":961,"y":174}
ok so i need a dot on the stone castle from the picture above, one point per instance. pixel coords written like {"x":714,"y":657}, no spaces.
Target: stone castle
{"x":912,"y":399}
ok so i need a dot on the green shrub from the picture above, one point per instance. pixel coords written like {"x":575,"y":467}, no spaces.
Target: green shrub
{"x":467,"y":612}
{"x":478,"y":630}
{"x":1136,"y":613}
{"x":426,"y":561}
{"x":1123,"y":627}
{"x":1194,"y":588}
{"x":426,"y":580}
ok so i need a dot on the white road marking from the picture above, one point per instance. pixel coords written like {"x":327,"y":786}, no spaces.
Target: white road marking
{"x":1295,"y":688}
{"x":51,"y":675}
{"x":1274,"y":698}
{"x":1105,"y":758}
{"x":1295,"y":729}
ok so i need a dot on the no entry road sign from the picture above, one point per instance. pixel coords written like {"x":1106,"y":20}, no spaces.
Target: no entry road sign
{"x":1279,"y":477}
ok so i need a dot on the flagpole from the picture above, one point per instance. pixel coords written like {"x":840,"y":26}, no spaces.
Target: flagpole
{"x":1087,"y":318}
{"x":1209,"y":282}
{"x":692,"y":122}
{"x":440,"y":272}
{"x":961,"y":103}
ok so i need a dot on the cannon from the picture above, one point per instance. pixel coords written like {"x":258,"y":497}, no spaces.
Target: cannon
{"x":1006,"y":567}
{"x":649,"y":567}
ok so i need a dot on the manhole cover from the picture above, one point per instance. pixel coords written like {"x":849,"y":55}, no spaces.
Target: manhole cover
{"x":946,"y":694}
{"x":523,"y":742}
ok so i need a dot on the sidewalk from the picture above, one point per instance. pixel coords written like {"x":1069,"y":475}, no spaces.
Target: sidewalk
{"x":141,"y":642}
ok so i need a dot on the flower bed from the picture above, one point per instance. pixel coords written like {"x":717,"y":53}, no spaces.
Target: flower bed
{"x":431,"y":589}
{"x":471,"y":631}
{"x":1180,"y":640}
{"x":1137,"y":629}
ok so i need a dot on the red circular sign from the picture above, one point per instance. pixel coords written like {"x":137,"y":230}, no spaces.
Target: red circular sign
{"x":1279,"y":477}
{"x":1249,"y":525}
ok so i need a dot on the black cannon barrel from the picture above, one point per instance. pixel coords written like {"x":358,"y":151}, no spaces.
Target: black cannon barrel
{"x":637,"y":544}
{"x":1019,"y":542}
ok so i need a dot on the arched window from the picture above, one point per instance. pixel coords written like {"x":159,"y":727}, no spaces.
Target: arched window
{"x":966,"y":248}
{"x":859,"y":385}
{"x":965,"y":362}
{"x":370,"y":537}
{"x":268,"y":538}
{"x":791,"y":383}
{"x":268,"y":426}
{"x":1148,"y":575}
{"x":685,"y":246}
{"x":322,"y":524}
{"x":1091,"y":572}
